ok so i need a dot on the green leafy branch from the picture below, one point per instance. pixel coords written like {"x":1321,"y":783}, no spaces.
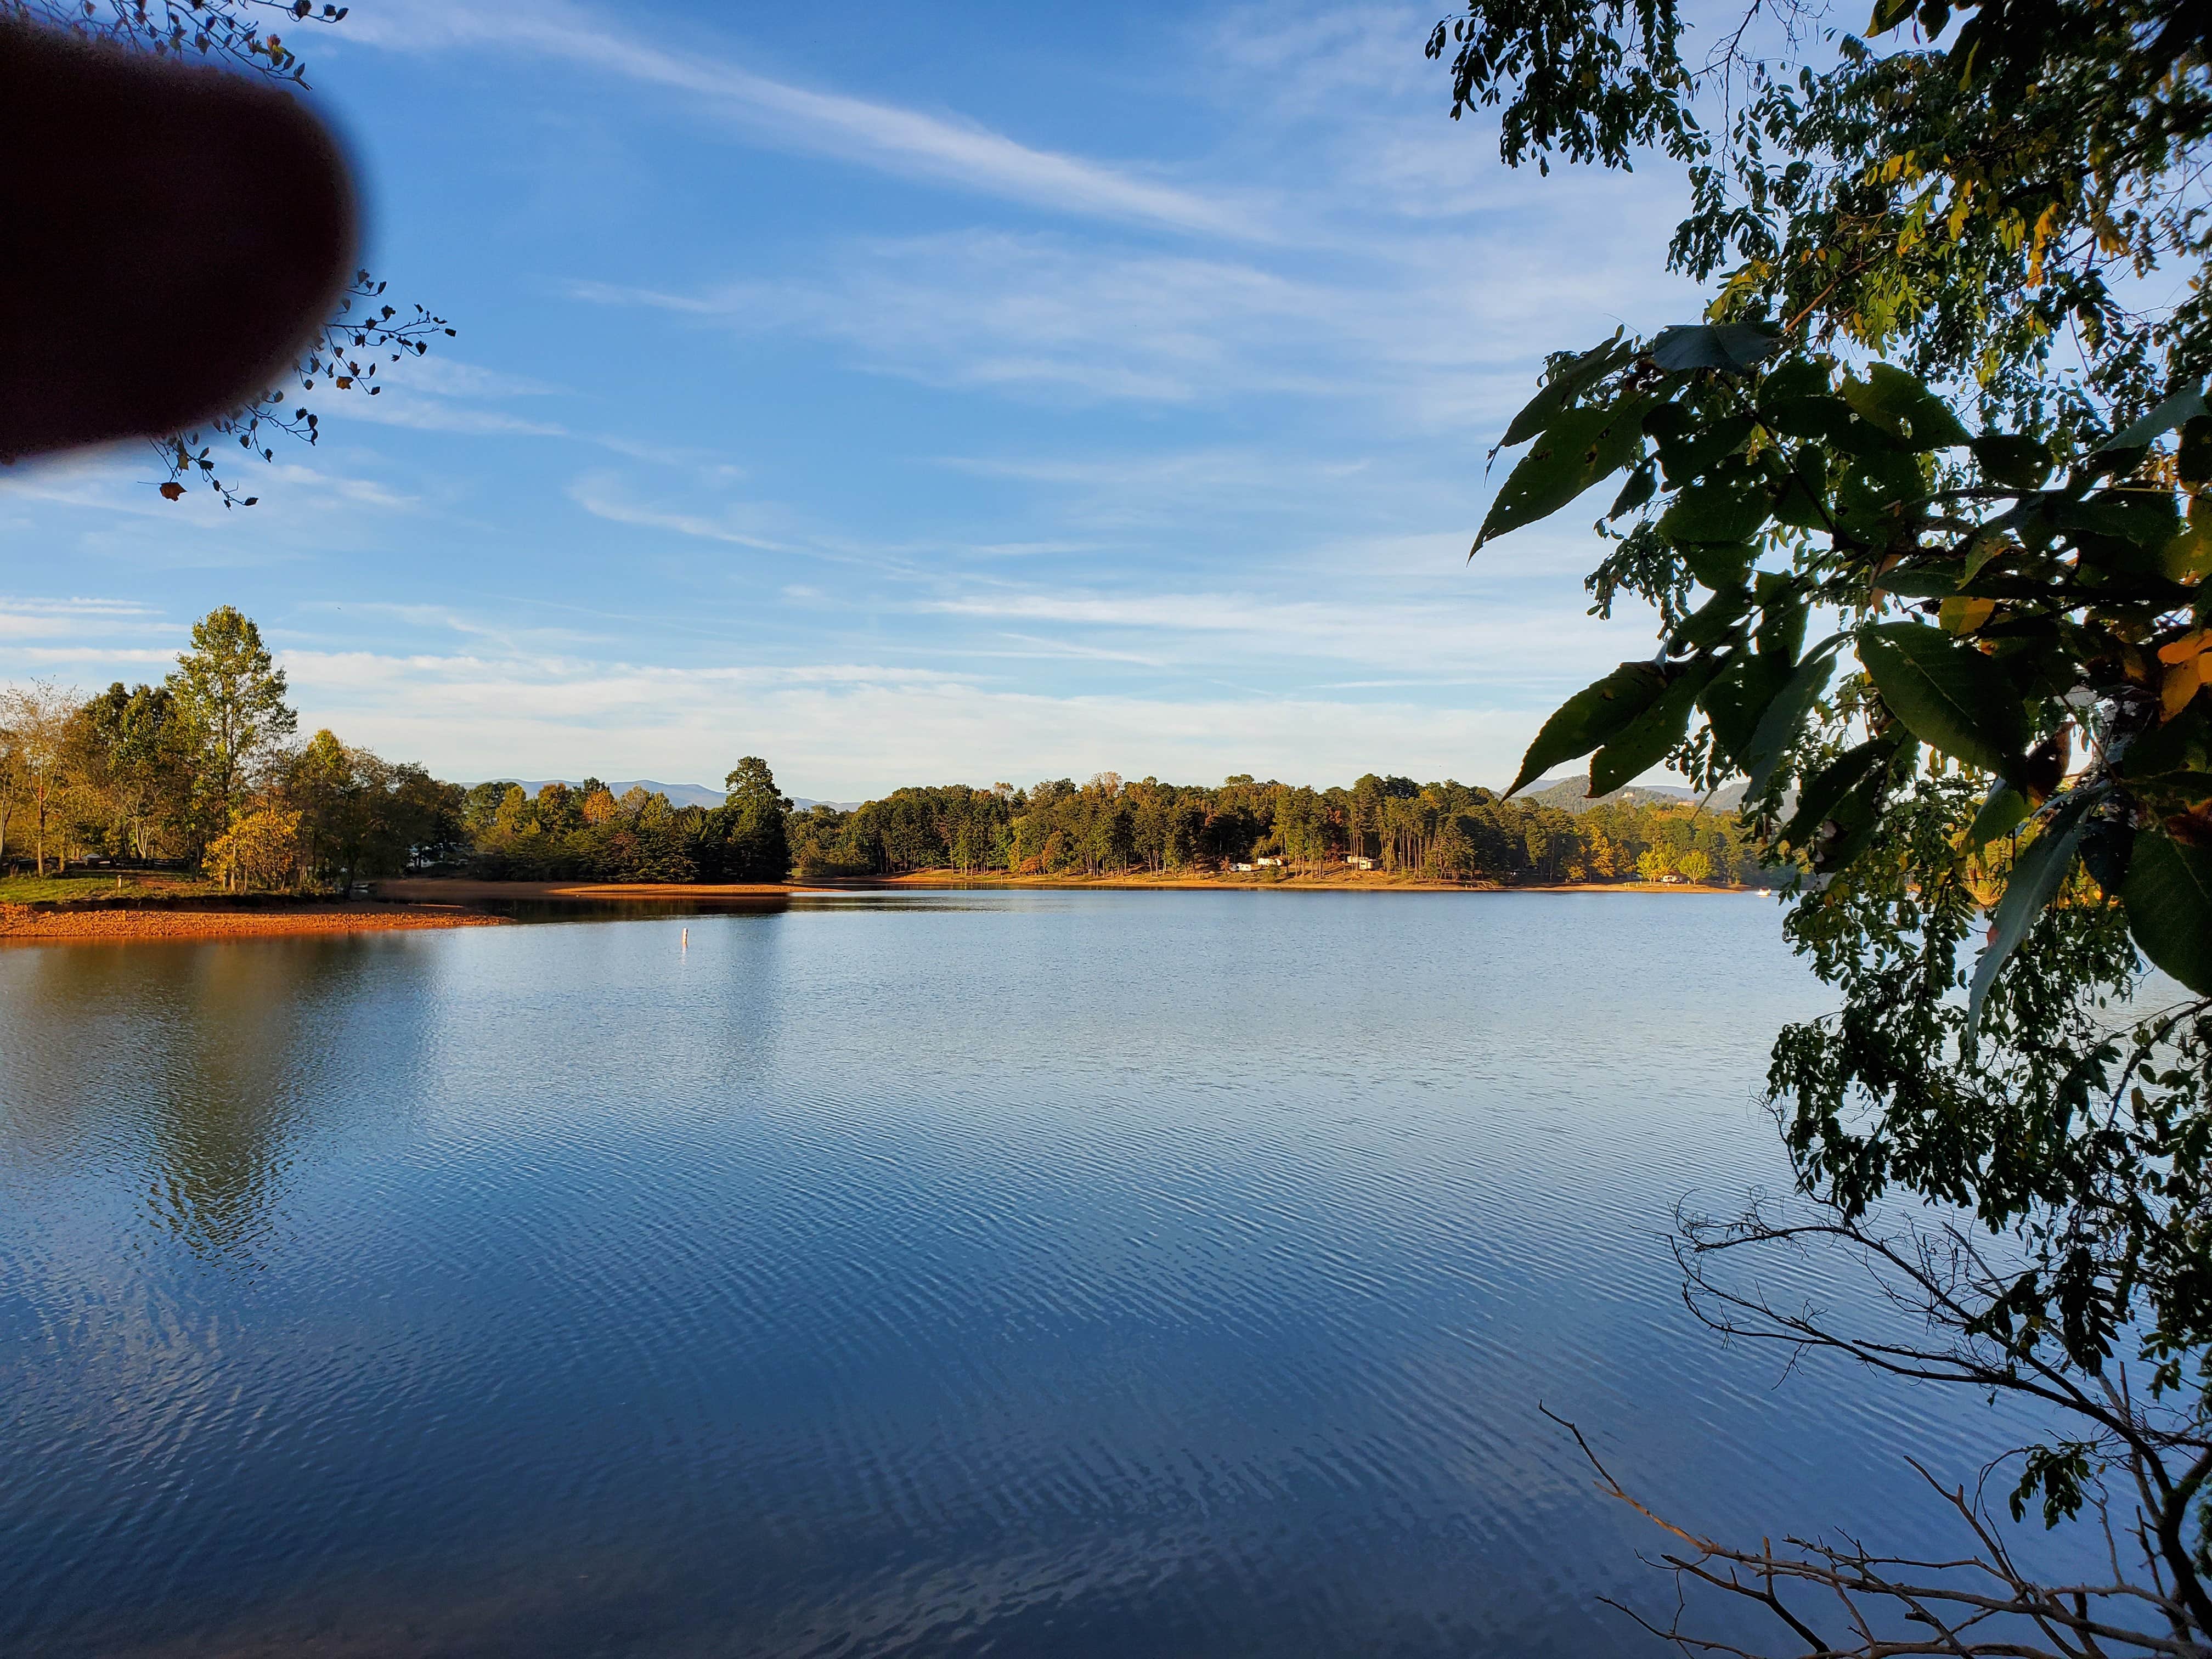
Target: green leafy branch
{"x":2041,"y":593}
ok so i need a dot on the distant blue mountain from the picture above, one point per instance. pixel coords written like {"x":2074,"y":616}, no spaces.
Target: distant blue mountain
{"x":1571,"y":795}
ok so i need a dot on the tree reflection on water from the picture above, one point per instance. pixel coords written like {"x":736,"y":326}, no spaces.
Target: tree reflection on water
{"x":204,"y":1101}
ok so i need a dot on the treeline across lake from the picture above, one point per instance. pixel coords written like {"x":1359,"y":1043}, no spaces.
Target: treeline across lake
{"x":203,"y":771}
{"x":1446,"y":832}
{"x":585,"y":832}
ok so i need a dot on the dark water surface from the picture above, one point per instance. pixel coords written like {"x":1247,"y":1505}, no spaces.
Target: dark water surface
{"x":1104,"y":1273}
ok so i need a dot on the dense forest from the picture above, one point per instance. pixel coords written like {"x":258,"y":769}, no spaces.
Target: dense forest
{"x":1445,"y":831}
{"x":203,"y":772}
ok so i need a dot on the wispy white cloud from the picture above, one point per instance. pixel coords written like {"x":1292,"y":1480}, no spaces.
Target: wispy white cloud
{"x":891,"y":137}
{"x":437,"y":393}
{"x":41,"y":659}
{"x":1024,"y":550}
{"x":1421,"y":331}
{"x":439,"y":415}
{"x":1514,"y":643}
{"x":1040,"y":646}
{"x":599,"y":495}
{"x":452,"y":377}
{"x":32,"y":619}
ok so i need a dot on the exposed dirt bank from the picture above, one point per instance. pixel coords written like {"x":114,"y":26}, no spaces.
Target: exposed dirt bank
{"x":24,"y":924}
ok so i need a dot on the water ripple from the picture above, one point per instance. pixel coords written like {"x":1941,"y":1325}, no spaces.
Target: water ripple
{"x":1086,"y":1273}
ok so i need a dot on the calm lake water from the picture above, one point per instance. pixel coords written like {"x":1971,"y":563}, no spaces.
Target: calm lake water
{"x":1083,"y":1274}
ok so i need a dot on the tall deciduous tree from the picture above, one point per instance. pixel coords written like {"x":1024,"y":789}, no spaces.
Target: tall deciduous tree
{"x":1949,"y":396}
{"x":361,"y":816}
{"x":138,"y":755}
{"x":231,"y":694}
{"x":39,"y":721}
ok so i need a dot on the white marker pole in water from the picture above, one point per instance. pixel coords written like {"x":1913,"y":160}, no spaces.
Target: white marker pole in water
{"x":686,"y":946}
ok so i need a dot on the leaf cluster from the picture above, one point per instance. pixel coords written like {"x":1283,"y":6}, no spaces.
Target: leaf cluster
{"x":2000,"y":599}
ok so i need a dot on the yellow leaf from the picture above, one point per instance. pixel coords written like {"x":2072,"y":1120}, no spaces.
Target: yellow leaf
{"x":1961,"y":615}
{"x":2187,"y":648}
{"x":2043,"y":226}
{"x":2179,"y":685}
{"x":2188,"y":557}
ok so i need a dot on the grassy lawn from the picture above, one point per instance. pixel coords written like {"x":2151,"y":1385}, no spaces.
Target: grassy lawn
{"x":27,"y":890}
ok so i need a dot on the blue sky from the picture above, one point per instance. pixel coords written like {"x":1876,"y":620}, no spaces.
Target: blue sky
{"x":954,"y":394}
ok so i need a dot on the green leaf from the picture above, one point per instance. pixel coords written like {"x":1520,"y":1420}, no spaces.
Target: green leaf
{"x":1642,"y":484}
{"x":1877,"y":493}
{"x":1828,"y":420}
{"x":2175,"y":746}
{"x":2181,"y":408}
{"x":2107,"y":848}
{"x":1803,"y":502}
{"x":1777,"y":727}
{"x":2005,"y":811}
{"x":1739,"y":695}
{"x":1821,"y":792}
{"x":1986,"y":544}
{"x":2193,"y":456}
{"x":1577,"y":449}
{"x":2035,"y":881}
{"x":1591,"y":718}
{"x":1854,"y":819}
{"x":1711,"y":623}
{"x":1788,"y":382}
{"x":1921,"y":581}
{"x":1731,"y":507}
{"x":2013,"y":460}
{"x":1899,"y":404}
{"x":1564,"y":387}
{"x":1732,"y":348}
{"x":1689,"y":451}
{"x":1652,"y":735}
{"x":1782,"y":623}
{"x":1949,"y":696}
{"x":1719,"y":565}
{"x":2169,"y":902}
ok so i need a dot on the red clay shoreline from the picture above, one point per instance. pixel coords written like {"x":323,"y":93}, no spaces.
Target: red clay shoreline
{"x":416,"y":903}
{"x":184,"y":919}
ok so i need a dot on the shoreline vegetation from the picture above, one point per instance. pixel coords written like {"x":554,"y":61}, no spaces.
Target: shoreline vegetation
{"x":424,"y":902}
{"x":415,"y":904}
{"x":190,"y":807}
{"x":462,"y":889}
